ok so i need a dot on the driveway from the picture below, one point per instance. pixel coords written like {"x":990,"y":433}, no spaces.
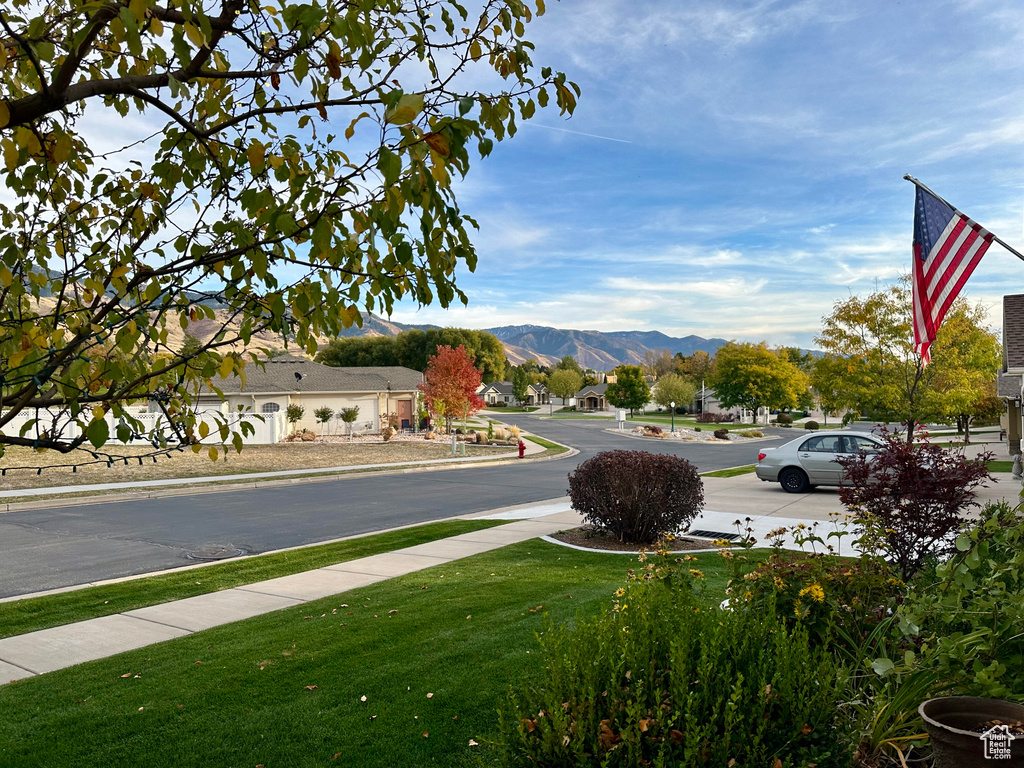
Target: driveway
{"x":746,"y":495}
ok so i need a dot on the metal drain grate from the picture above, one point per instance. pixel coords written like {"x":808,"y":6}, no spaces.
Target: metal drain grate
{"x":215,"y":553}
{"x":713,"y":535}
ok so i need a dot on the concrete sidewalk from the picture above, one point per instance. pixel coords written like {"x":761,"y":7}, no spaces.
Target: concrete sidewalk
{"x":47,"y":650}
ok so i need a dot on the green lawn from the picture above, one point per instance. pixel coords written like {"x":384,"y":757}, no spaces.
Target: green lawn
{"x":731,"y":472}
{"x":23,"y":616}
{"x":514,"y":409}
{"x":1000,"y":466}
{"x":286,"y":689}
{"x":552,"y":449}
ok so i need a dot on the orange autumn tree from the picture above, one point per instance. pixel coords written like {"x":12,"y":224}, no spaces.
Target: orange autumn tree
{"x":451,"y":383}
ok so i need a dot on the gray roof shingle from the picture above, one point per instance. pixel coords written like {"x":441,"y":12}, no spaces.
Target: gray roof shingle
{"x":1013,"y":331}
{"x":1008,"y":386}
{"x":279,"y":376}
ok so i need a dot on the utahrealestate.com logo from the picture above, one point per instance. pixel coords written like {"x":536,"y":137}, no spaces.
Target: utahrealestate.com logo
{"x":997,"y":740}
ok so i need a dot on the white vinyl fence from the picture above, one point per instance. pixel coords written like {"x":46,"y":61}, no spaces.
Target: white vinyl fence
{"x":267,"y":428}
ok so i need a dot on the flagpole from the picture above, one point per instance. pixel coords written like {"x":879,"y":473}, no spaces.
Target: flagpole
{"x":997,"y":239}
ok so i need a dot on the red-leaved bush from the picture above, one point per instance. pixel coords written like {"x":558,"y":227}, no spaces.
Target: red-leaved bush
{"x":909,"y":499}
{"x":637,"y":495}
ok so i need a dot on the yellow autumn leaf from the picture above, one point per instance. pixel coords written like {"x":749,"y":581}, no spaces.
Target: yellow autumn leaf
{"x":213,"y":453}
{"x":226,"y":366}
{"x":15,"y":359}
{"x":405,"y":111}
{"x":6,"y":277}
{"x":195,"y":34}
{"x":256,"y":153}
{"x":5,"y":114}
{"x":61,"y":147}
{"x":118,"y":272}
{"x":10,"y":155}
{"x":204,"y":429}
{"x":138,"y":8}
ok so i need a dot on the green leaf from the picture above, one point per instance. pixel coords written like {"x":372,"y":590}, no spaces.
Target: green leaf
{"x":963,"y":542}
{"x":98,"y":432}
{"x":301,"y":67}
{"x":405,"y":111}
{"x":883,"y":667}
{"x":390,"y":165}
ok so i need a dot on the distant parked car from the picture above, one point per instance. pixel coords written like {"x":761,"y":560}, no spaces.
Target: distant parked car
{"x":801,"y":464}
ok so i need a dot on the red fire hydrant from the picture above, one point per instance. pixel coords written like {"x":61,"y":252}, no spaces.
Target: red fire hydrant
{"x":522,"y":449}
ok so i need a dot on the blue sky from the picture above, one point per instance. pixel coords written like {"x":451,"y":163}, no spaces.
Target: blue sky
{"x":734,"y":168}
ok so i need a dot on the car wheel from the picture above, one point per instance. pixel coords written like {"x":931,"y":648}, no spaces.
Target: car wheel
{"x":794,"y":481}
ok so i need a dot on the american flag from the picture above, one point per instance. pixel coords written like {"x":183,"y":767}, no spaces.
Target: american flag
{"x":947,"y":248}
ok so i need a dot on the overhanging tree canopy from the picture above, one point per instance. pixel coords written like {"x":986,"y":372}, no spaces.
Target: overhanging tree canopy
{"x":287,"y":163}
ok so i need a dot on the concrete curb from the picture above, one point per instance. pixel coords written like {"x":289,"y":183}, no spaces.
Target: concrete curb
{"x":716,"y":441}
{"x":227,"y":486}
{"x":551,"y":540}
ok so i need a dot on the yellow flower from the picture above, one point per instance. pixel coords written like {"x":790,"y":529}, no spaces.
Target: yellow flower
{"x":720,"y":542}
{"x":726,"y":554}
{"x":814,"y":591}
{"x":895,"y":582}
{"x":779,"y":583}
{"x":690,"y":557}
{"x":748,"y":595}
{"x":696,"y":574}
{"x":620,"y":592}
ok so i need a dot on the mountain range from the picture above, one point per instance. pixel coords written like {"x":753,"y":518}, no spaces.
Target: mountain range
{"x":600,"y":350}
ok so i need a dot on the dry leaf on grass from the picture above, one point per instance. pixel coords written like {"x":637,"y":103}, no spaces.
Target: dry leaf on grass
{"x":312,"y":687}
{"x":472,"y":743}
{"x":430,"y":695}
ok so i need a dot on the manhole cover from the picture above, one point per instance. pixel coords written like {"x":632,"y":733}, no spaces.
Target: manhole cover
{"x":215,"y":553}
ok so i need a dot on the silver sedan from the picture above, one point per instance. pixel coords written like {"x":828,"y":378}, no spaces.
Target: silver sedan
{"x":801,"y":464}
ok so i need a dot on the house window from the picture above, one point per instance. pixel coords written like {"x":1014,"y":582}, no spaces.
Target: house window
{"x":270,"y":408}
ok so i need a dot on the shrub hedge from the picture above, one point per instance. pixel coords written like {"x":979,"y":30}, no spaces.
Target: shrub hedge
{"x":637,"y":495}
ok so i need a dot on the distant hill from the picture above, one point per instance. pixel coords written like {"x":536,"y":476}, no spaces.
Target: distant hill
{"x":599,"y":350}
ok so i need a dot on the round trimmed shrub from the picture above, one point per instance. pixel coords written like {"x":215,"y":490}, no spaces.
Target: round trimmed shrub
{"x":635,"y":495}
{"x":784,"y":419}
{"x":722,"y":434}
{"x":655,"y":430}
{"x":812,"y":425}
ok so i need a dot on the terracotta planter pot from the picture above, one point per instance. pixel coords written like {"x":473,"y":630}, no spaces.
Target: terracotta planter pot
{"x":951,"y":724}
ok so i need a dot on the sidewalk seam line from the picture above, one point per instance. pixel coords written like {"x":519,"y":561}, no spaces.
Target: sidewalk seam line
{"x":20,"y":666}
{"x":143,"y":618}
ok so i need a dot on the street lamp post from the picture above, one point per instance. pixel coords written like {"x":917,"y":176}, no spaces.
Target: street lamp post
{"x":672,"y":405}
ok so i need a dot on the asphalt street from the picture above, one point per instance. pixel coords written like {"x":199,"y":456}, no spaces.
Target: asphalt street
{"x":63,"y":546}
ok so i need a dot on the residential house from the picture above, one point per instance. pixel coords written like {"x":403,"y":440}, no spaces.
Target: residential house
{"x":1010,"y":381}
{"x":501,"y":392}
{"x":292,"y":380}
{"x":592,"y":398}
